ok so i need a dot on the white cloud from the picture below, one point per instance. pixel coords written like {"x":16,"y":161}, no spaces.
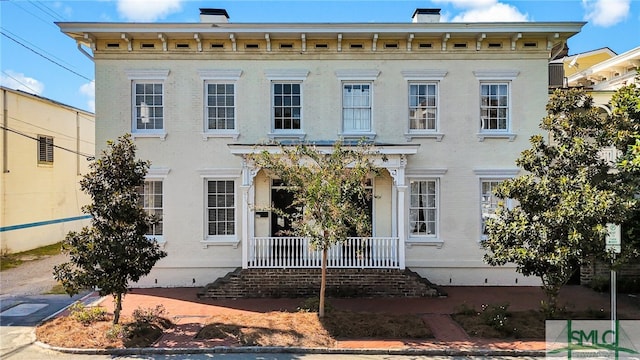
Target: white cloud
{"x":89,"y":90}
{"x":606,"y":13}
{"x":146,"y":10}
{"x":19,"y":81}
{"x":496,"y":12}
{"x":468,"y":4}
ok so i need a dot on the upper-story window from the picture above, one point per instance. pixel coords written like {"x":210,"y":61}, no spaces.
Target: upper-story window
{"x":287,"y":102}
{"x":220,"y":106}
{"x":287,"y":106}
{"x":148,"y":109}
{"x":423,"y":106}
{"x":424,"y":113}
{"x":220,"y":111}
{"x":356,"y":107}
{"x":494,"y":106}
{"x":45,"y":149}
{"x":149,"y":106}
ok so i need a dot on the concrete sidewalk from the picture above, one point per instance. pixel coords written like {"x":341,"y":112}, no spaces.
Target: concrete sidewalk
{"x":190,"y":313}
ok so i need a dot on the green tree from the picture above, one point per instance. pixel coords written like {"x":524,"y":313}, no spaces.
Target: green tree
{"x":329,"y":187}
{"x":624,"y":132}
{"x":113,"y":251}
{"x":564,"y":200}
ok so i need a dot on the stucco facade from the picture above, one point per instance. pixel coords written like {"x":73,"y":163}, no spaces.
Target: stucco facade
{"x":453,"y":151}
{"x":45,"y":146}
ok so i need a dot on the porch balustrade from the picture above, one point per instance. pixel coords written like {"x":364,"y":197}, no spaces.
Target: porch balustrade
{"x":297,"y":252}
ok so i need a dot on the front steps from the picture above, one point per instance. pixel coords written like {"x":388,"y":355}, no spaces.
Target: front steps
{"x":299,"y":283}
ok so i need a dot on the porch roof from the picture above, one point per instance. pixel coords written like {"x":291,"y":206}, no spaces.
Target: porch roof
{"x":325,"y":145}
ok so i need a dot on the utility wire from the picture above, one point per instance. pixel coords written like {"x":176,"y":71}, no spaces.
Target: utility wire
{"x":47,"y":10}
{"x":49,"y":130}
{"x":62,"y":66}
{"x":16,"y":3}
{"x":87,"y":156}
{"x":35,"y":46}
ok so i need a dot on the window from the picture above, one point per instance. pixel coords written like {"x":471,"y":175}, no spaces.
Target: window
{"x":423,"y":208}
{"x":489,"y":181}
{"x":423,"y":99}
{"x":287,"y":106}
{"x":151,"y":201}
{"x":221,"y":208}
{"x":148,"y":107}
{"x":45,"y":149}
{"x":356,"y":107}
{"x":494,"y":106}
{"x":220,"y":106}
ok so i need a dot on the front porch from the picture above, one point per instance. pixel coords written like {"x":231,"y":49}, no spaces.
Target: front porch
{"x":263,"y":234}
{"x":297,"y":252}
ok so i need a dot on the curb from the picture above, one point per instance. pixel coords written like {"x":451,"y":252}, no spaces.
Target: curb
{"x":294,"y":350}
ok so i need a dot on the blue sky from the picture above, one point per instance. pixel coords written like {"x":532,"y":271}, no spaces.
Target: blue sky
{"x":36,"y":57}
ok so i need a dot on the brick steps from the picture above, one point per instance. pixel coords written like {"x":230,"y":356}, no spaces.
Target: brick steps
{"x":296,"y":283}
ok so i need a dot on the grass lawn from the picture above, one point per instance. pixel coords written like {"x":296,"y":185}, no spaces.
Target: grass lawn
{"x":11,"y":260}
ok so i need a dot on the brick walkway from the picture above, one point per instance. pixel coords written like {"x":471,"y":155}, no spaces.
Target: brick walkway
{"x":190,"y":313}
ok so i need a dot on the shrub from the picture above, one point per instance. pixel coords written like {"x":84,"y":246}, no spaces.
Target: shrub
{"x":495,"y":316}
{"x":149,"y":315}
{"x":87,"y":315}
{"x":313,"y":304}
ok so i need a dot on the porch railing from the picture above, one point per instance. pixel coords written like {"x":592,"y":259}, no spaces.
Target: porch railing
{"x":297,"y":252}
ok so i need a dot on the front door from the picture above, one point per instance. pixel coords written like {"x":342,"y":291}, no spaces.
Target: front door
{"x":281,"y":199}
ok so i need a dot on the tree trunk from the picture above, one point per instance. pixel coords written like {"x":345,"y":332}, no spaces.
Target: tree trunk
{"x":323,"y":282}
{"x":118,"y":307}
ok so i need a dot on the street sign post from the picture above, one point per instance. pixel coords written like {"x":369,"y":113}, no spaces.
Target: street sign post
{"x":613,"y":243}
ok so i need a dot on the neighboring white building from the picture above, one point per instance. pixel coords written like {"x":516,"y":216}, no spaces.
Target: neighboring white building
{"x":452,"y":105}
{"x":44,"y":146}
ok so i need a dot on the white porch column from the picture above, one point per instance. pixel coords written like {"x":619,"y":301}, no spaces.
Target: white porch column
{"x":401,"y":224}
{"x":397,"y":172}
{"x":245,"y":225}
{"x":248,"y":213}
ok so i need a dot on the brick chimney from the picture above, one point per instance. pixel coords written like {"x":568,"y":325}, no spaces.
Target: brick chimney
{"x":426,"y":16}
{"x":214,"y":16}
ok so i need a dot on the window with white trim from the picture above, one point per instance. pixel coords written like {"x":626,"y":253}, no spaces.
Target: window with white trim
{"x":148,"y":106}
{"x":45,"y":149}
{"x":287,"y":106}
{"x":221,"y":207}
{"x":220,"y":106}
{"x":151,"y":200}
{"x":494,"y":106}
{"x":423,"y":106}
{"x":489,"y":203}
{"x":423,"y":208}
{"x":356,"y":107}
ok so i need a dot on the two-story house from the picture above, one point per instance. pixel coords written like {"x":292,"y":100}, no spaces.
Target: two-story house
{"x":451,"y":105}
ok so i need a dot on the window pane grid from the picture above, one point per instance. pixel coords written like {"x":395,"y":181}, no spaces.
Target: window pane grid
{"x":287,"y":108}
{"x":220,"y":207}
{"x":152,"y":203}
{"x":494,"y":106}
{"x":423,"y":208}
{"x":220,"y":107}
{"x":356,"y":107}
{"x":488,"y":202}
{"x":149,"y":110}
{"x":422,"y":106}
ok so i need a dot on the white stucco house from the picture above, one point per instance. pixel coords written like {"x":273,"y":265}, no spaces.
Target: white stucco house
{"x":450,"y":104}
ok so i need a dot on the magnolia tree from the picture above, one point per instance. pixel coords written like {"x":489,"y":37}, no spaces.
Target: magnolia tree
{"x":113,"y":251}
{"x":564,"y":200}
{"x":329,"y":188}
